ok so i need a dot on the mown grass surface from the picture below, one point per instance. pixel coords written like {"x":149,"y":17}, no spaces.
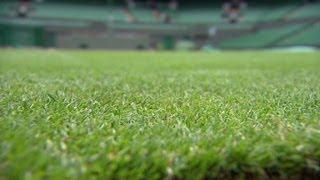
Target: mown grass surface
{"x":159,"y":115}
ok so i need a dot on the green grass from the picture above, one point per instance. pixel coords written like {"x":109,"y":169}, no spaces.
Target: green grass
{"x":119,"y":115}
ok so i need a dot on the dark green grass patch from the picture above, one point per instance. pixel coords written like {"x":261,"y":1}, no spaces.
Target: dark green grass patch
{"x":159,"y":115}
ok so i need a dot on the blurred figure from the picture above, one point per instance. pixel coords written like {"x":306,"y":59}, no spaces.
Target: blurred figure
{"x":173,"y":5}
{"x":155,"y":10}
{"x":131,"y":4}
{"x":166,"y":18}
{"x":233,"y":10}
{"x":225,"y":9}
{"x":129,"y":15}
{"x":23,"y":9}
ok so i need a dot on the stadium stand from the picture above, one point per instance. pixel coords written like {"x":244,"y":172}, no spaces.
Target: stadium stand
{"x":200,"y":15}
{"x":144,"y":15}
{"x":67,"y":11}
{"x":260,"y":25}
{"x":43,"y":22}
{"x":185,"y":15}
{"x":309,"y":36}
{"x":305,"y":11}
{"x":266,"y":14}
{"x":261,"y":38}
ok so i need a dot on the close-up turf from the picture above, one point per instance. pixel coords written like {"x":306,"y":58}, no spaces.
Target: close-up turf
{"x":158,"y":115}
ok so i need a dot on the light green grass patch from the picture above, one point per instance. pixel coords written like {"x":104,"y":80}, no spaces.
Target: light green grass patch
{"x":159,"y":115}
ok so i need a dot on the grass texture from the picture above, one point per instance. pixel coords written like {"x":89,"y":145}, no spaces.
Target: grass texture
{"x":150,"y":115}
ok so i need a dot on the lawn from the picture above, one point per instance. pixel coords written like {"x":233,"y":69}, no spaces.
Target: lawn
{"x":121,"y":115}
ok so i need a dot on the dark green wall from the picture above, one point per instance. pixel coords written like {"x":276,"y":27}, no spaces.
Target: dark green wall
{"x":20,"y":36}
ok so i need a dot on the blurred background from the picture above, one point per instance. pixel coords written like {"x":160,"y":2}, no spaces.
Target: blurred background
{"x":160,"y":24}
